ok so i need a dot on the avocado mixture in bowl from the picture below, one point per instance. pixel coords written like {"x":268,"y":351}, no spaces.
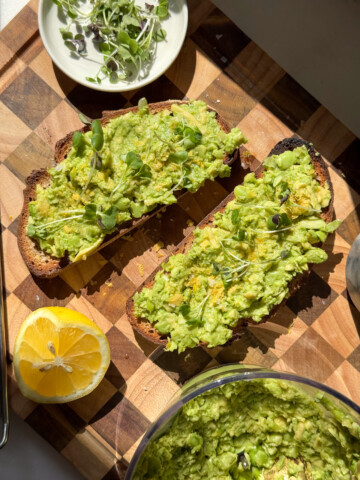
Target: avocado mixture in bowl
{"x":124,"y":170}
{"x":253,"y":424}
{"x":240,"y":266}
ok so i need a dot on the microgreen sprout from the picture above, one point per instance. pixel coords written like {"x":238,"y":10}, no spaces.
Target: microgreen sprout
{"x":201,"y":307}
{"x":238,"y":259}
{"x":124,"y":33}
{"x":97,"y":137}
{"x":184,"y":309}
{"x":180,"y":158}
{"x":308,"y":209}
{"x":170,"y":145}
{"x":279,"y":230}
{"x":235,"y":217}
{"x":187,"y":141}
{"x":228,"y":272}
{"x":75,"y":43}
{"x":41,"y":230}
{"x":96,"y":142}
{"x":241,"y":266}
{"x":275,"y":222}
{"x":84,"y":120}
{"x":134,"y":167}
{"x":177,"y":185}
{"x":283,"y":199}
{"x":190,"y":136}
{"x":106,"y":220}
{"x":77,"y":139}
{"x":240,"y":235}
{"x":143,"y":105}
{"x":196,"y":317}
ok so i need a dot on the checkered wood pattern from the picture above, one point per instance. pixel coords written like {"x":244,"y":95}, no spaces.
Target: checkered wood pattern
{"x":316,"y":334}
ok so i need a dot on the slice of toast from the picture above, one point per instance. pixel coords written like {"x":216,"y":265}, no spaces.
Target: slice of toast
{"x":147,"y":330}
{"x":42,"y":264}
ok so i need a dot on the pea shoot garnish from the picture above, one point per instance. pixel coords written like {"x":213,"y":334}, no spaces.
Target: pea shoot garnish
{"x":278,"y":220}
{"x":284,"y":199}
{"x":194,"y":317}
{"x":124,"y":33}
{"x":97,"y":143}
{"x":106,"y":220}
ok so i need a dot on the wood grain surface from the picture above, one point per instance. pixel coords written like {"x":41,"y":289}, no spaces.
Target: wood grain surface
{"x":316,"y":334}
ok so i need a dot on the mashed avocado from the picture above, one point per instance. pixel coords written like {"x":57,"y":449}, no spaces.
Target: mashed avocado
{"x":258,"y":429}
{"x":111,"y":175}
{"x":241,"y":265}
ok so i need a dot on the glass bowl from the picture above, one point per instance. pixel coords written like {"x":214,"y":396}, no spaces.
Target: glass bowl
{"x":220,"y":376}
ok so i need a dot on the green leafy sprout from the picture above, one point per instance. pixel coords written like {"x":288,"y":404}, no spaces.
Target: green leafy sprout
{"x":106,"y":220}
{"x":196,"y":317}
{"x":239,"y":266}
{"x":277,"y":223}
{"x":124,"y":33}
{"x":96,"y":143}
{"x":189,"y":139}
{"x":134,"y":167}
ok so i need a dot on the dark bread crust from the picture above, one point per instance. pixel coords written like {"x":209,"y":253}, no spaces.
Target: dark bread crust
{"x":42,"y":264}
{"x":147,"y":330}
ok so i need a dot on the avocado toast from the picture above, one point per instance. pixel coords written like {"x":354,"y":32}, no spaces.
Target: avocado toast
{"x":115,"y":173}
{"x":244,"y":259}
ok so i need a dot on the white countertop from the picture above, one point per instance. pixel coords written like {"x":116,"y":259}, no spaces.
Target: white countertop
{"x":315,"y":42}
{"x":8,"y":10}
{"x":28,"y":456}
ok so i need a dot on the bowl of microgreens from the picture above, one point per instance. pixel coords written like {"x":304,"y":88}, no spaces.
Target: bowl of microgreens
{"x":113,"y":45}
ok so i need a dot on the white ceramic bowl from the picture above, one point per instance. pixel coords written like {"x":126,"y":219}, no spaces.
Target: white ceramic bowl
{"x":79,"y":68}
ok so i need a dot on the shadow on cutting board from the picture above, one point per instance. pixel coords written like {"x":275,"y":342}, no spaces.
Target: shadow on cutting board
{"x":93,"y":103}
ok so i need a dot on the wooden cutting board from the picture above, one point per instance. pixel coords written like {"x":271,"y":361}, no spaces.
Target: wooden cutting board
{"x":316,"y":334}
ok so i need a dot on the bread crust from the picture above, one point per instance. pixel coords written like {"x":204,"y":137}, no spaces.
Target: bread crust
{"x":147,"y":330}
{"x":44,"y":265}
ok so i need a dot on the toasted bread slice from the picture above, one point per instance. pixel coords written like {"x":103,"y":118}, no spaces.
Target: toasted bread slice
{"x":147,"y":330}
{"x":42,"y":264}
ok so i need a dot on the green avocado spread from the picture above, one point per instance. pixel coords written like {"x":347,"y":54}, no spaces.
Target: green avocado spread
{"x":259,"y":429}
{"x":240,"y":266}
{"x":124,"y":170}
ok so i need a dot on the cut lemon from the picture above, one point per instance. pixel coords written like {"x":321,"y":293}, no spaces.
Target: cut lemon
{"x":60,"y":355}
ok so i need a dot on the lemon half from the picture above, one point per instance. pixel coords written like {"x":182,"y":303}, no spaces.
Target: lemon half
{"x":60,"y":355}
